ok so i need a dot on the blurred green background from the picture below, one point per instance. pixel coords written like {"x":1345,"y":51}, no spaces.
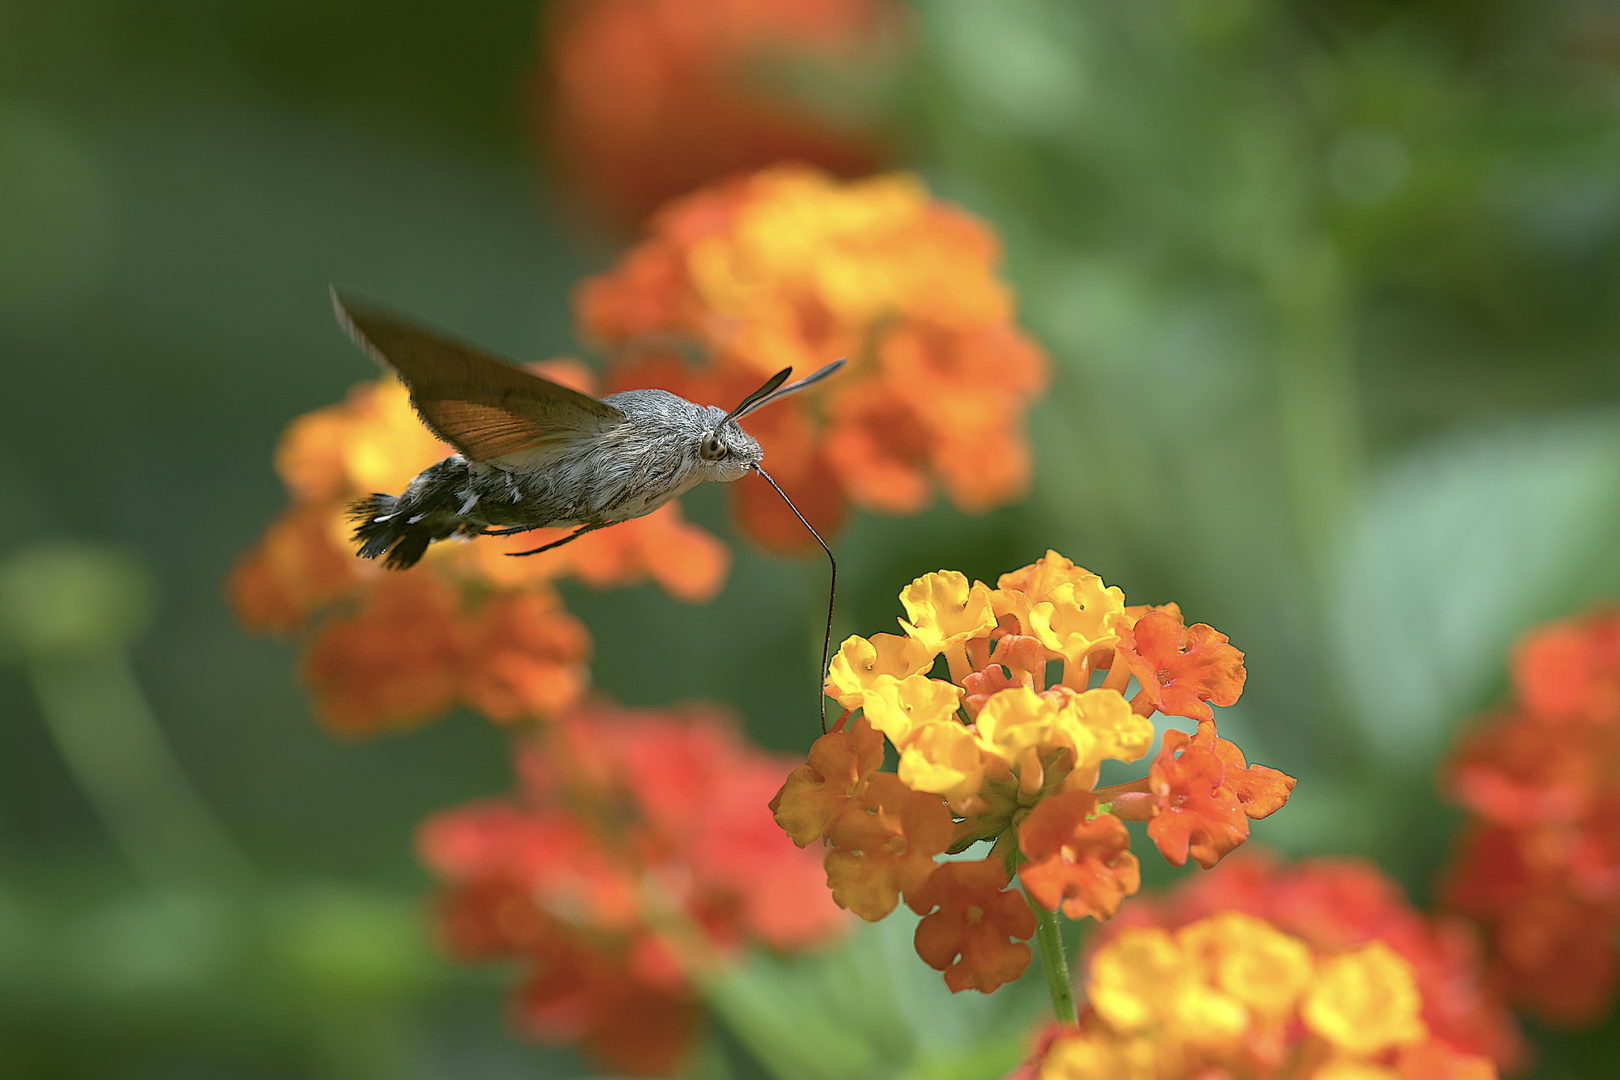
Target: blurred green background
{"x":1330,"y":290}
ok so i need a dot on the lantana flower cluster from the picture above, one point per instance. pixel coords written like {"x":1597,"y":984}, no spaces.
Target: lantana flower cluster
{"x":1538,"y":864}
{"x":391,"y":649}
{"x":789,"y":267}
{"x":1337,"y":905}
{"x":1231,"y":994}
{"x":644,"y":100}
{"x":1007,"y":748}
{"x":637,"y":855}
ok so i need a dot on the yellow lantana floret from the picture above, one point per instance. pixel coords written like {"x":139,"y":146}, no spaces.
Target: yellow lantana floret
{"x":944,"y":759}
{"x":899,"y":707}
{"x":1095,"y":725}
{"x":861,"y":661}
{"x":1134,"y":979}
{"x":1101,"y":1055}
{"x":1365,"y":1002}
{"x":1037,"y":580}
{"x":1145,"y":980}
{"x":1251,"y":960}
{"x":1077,"y":619}
{"x":945,"y":611}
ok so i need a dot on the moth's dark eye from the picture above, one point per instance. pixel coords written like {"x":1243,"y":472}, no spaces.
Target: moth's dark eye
{"x":712,"y":449}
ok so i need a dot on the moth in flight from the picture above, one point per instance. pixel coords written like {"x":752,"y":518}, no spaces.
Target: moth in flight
{"x":532,"y":454}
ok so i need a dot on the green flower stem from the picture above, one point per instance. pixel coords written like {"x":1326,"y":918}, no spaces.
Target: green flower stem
{"x":1049,"y":939}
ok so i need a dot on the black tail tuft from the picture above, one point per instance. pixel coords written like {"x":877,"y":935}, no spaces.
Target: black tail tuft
{"x":381,"y":529}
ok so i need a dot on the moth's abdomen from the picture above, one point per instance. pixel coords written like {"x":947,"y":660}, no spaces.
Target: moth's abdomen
{"x":403,"y":526}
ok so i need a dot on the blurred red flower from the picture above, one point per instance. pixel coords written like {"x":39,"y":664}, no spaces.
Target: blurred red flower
{"x":637,"y":852}
{"x":1538,"y":863}
{"x":643,"y":100}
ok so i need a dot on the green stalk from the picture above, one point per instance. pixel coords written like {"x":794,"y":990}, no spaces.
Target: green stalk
{"x":1049,"y":939}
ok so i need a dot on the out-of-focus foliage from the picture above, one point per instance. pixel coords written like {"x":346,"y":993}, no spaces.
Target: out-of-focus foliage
{"x":1328,"y":292}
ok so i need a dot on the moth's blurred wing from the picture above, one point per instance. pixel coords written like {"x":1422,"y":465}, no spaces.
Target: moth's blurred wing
{"x":482,"y":406}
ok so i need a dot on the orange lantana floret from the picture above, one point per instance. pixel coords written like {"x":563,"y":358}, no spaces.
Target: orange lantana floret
{"x":817,"y":791}
{"x":394,"y":663}
{"x":884,"y":845}
{"x":644,"y":100}
{"x":1077,"y":857}
{"x":1194,"y":811}
{"x":1008,"y":748}
{"x":973,"y":926}
{"x":1182,"y":669}
{"x":636,"y":854}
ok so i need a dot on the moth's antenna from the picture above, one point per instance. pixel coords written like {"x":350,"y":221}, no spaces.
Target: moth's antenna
{"x":769,"y":392}
{"x":748,"y":403}
{"x":832,"y":592}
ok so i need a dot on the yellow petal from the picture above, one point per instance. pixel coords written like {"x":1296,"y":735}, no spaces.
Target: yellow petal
{"x":898,"y":707}
{"x":944,"y":759}
{"x":860,"y":661}
{"x":1251,"y":960}
{"x":946,"y":610}
{"x":1365,"y":1001}
{"x":1133,"y":977}
{"x":1078,"y":617}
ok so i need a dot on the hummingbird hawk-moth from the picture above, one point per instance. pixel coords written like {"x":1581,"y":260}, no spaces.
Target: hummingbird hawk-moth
{"x":532,"y":454}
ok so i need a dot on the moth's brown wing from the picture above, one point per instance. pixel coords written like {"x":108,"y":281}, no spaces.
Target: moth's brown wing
{"x":480,"y":405}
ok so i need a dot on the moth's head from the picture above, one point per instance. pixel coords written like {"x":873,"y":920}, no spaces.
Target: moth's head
{"x":725,"y":451}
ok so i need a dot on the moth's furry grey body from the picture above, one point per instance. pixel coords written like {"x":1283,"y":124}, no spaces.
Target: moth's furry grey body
{"x":623,"y":472}
{"x":533,"y":453}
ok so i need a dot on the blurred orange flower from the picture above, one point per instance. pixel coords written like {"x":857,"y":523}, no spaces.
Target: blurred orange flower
{"x":392,"y":649}
{"x":636,"y":854}
{"x":1339,"y":904}
{"x":643,"y":100}
{"x":993,"y":753}
{"x":1538,"y":864}
{"x":788,"y":267}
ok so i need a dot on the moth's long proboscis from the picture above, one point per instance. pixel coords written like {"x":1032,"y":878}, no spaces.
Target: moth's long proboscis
{"x":832,"y":589}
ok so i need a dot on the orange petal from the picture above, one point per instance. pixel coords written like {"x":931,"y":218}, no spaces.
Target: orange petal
{"x":818,"y":791}
{"x":969,"y":917}
{"x":884,"y":844}
{"x":1262,"y":791}
{"x":1081,"y":862}
{"x":394,"y":663}
{"x":1181,"y":669}
{"x":1195,"y":812}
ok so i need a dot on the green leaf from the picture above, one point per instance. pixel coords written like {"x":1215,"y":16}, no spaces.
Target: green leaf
{"x":871,"y":1008}
{"x":1461,"y":546}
